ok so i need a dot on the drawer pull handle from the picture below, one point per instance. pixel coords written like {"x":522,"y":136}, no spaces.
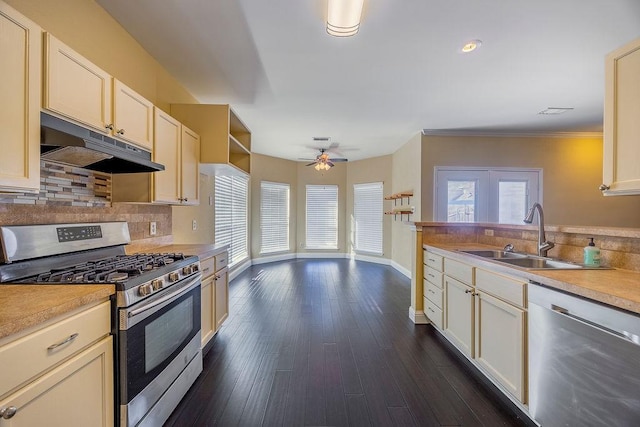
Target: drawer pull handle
{"x":222,"y":260}
{"x":431,"y":275}
{"x":9,"y":412}
{"x":66,"y":341}
{"x":431,"y":290}
{"x":430,"y":309}
{"x":468,"y":291}
{"x":206,"y":269}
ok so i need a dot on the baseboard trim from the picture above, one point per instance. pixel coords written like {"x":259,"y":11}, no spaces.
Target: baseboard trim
{"x":418,"y":317}
{"x":319,"y":255}
{"x":273,"y":258}
{"x":401,"y":269}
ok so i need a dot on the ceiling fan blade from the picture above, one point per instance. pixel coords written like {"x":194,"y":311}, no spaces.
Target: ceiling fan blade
{"x":339,"y":160}
{"x":311,"y":164}
{"x":330,"y":163}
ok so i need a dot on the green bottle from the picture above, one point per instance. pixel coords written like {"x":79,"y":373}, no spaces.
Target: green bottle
{"x":592,"y":254}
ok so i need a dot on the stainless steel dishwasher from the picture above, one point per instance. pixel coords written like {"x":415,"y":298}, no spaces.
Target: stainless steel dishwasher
{"x":584,"y":361}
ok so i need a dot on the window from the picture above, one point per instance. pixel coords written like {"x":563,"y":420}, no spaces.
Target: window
{"x":486,"y":195}
{"x":322,"y":217}
{"x":231,"y":226}
{"x":368,"y":215}
{"x":274,"y":217}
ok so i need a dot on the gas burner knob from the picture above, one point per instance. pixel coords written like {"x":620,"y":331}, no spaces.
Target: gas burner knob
{"x":145,"y":289}
{"x":195,"y":268}
{"x":173,"y":277}
{"x":157,"y":284}
{"x":187,"y":270}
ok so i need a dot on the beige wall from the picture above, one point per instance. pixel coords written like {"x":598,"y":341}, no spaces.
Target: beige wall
{"x":272,"y":169}
{"x":572,"y":172}
{"x":203,"y":214}
{"x":363,"y":171}
{"x":92,"y":32}
{"x":407,"y":176}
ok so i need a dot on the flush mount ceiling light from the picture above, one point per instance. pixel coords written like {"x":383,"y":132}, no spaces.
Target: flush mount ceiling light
{"x":343,"y":17}
{"x":470,"y":46}
{"x":551,"y":111}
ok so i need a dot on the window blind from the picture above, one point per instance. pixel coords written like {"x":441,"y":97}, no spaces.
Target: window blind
{"x":368,"y":217}
{"x":322,"y":217}
{"x":274,"y":217}
{"x":231,"y":226}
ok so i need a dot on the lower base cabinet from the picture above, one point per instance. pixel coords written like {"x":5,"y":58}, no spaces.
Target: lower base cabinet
{"x":215,"y":295}
{"x":459,"y":308}
{"x":79,"y":392}
{"x":499,"y":348}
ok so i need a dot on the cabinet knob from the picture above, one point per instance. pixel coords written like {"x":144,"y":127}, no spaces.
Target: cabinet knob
{"x":468,"y":291}
{"x":109,"y":126}
{"x":120,"y":132}
{"x":603,"y":187}
{"x":9,"y":412}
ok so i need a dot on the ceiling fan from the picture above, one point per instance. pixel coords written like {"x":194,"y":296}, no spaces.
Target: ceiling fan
{"x":323,"y":161}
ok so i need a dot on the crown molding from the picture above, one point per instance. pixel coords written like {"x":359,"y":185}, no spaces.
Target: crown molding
{"x":499,"y":134}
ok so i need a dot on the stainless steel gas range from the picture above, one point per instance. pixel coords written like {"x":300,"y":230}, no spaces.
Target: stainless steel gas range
{"x":156,"y":311}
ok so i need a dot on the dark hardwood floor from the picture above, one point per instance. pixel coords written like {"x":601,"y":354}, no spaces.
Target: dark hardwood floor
{"x":329,"y":342}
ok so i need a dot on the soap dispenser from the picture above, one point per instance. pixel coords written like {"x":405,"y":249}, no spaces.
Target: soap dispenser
{"x":592,"y":254}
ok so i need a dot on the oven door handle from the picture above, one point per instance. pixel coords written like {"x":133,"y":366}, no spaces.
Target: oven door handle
{"x":191,"y":283}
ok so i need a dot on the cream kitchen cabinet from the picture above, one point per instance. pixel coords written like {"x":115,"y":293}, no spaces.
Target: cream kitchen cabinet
{"x":61,"y":374}
{"x":177,"y":148}
{"x":621,"y":169}
{"x":215,"y":294}
{"x":226,"y":140}
{"x":500,"y":340}
{"x":485,"y":318}
{"x":79,"y":90}
{"x":432,"y":289}
{"x":20,"y":50}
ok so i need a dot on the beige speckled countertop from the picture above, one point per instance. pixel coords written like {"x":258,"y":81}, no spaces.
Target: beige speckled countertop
{"x":24,"y":306}
{"x":619,"y":288}
{"x":201,"y":250}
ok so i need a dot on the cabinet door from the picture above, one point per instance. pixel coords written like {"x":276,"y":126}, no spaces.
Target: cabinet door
{"x":500,"y":342}
{"x":459,"y":314}
{"x":20,"y":50}
{"x":207,"y":310}
{"x":222,"y":296}
{"x":190,"y":145}
{"x":79,"y":393}
{"x":74,"y":87}
{"x":132,"y":116}
{"x":166,"y":151}
{"x":621,"y":171}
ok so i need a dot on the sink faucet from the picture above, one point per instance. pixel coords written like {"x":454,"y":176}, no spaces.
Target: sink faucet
{"x":543,"y":244}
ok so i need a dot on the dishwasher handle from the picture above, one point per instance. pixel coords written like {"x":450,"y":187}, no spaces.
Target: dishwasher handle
{"x":633,"y":338}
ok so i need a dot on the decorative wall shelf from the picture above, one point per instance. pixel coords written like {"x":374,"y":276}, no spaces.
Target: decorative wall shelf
{"x":402,"y":208}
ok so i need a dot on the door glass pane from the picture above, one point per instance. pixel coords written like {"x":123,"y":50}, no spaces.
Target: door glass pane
{"x":512,"y":201}
{"x":461,"y":201}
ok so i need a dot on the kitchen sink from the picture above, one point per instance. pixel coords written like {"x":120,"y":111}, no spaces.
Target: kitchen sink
{"x":541,"y":263}
{"x":495,"y":254}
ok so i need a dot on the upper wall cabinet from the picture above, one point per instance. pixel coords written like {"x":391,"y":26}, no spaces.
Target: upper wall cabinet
{"x":621,"y":171}
{"x":176,"y":147}
{"x":225,"y":141}
{"x":20,"y":50}
{"x":79,"y":90}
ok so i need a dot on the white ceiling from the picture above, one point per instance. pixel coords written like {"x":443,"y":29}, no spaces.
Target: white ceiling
{"x":289,"y":81}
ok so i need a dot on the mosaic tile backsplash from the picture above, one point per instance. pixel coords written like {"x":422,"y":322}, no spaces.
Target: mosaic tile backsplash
{"x":72,"y":195}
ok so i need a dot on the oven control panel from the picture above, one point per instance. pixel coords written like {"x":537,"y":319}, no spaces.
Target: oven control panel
{"x":85,"y":232}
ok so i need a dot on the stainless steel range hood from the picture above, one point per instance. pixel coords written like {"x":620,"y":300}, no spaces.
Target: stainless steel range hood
{"x":65,"y":142}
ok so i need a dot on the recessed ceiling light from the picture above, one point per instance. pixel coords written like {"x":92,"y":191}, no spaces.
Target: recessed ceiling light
{"x":471,"y":45}
{"x":555,"y":110}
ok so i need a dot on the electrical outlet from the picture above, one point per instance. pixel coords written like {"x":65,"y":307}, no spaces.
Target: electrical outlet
{"x":210,"y":200}
{"x":153,"y":228}
{"x":488,"y":232}
{"x":194,"y":225}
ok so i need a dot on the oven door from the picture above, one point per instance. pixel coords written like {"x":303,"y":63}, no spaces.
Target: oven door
{"x":157,"y":339}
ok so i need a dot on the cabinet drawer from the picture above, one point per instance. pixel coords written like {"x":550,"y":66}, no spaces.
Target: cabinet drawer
{"x":432,"y":260}
{"x":459,"y":270}
{"x":33,"y":354}
{"x":506,"y":288}
{"x":433,"y":313}
{"x":221,"y":261}
{"x":433,"y":276}
{"x":208,"y":267}
{"x":433,"y":293}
